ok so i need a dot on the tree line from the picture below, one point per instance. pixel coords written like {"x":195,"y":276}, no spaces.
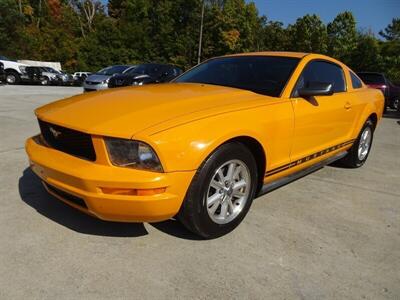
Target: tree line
{"x":87,"y":35}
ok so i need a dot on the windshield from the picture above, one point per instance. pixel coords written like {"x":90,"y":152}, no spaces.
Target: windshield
{"x":266,"y":75}
{"x":113,"y":70}
{"x":140,"y":69}
{"x":50,"y":70}
{"x":131,"y":71}
{"x":372,"y":78}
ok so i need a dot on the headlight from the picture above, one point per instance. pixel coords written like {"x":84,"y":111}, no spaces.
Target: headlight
{"x":22,"y":69}
{"x":105,"y":81}
{"x":132,"y":154}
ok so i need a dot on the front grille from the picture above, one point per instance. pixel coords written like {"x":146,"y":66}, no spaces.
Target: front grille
{"x":70,"y":198}
{"x":68,"y":140}
{"x":92,"y":82}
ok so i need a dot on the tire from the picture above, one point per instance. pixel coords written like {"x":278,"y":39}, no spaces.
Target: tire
{"x":12,"y":77}
{"x":359,"y":152}
{"x":396,"y":104}
{"x":214,"y":209}
{"x":44,"y":81}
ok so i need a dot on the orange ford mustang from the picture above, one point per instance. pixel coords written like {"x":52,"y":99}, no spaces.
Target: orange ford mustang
{"x":202,"y":147}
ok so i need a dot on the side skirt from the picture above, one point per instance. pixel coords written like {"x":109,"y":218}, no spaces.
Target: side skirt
{"x":269,"y":187}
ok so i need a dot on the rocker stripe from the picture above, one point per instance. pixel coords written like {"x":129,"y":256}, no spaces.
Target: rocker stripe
{"x":308,"y":158}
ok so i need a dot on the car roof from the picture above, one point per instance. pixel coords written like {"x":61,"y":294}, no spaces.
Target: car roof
{"x":273,"y":53}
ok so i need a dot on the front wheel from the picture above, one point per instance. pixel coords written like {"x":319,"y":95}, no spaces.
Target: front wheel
{"x":12,"y":77}
{"x":44,"y":81}
{"x":360,"y":150}
{"x":221,"y":192}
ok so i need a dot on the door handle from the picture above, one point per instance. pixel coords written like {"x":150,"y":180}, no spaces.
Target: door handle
{"x":347,"y":105}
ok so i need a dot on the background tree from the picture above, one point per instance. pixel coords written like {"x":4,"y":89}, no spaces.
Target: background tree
{"x":308,"y":34}
{"x":342,"y":36}
{"x":392,"y":31}
{"x":83,"y":35}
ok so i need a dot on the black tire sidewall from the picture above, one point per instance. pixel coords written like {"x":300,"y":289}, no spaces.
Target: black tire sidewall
{"x":201,"y":220}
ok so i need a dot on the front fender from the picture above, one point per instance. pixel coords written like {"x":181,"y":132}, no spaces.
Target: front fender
{"x":186,"y":146}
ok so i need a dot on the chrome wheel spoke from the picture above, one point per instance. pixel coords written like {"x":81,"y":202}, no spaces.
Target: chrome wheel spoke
{"x":238,"y":194}
{"x":238,"y":185}
{"x":214,"y":207}
{"x":237,"y":171}
{"x":231,"y":168}
{"x":216,"y":185}
{"x":224,"y":209}
{"x":231,"y":206}
{"x":213,"y":199}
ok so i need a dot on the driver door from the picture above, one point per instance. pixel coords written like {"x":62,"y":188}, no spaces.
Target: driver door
{"x":321,"y":122}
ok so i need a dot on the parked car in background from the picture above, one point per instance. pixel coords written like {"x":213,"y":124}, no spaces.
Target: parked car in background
{"x":144,"y":74}
{"x":13,"y":70}
{"x":2,"y":73}
{"x":381,"y":82}
{"x":57,"y":77}
{"x":80,"y":77}
{"x":34,"y":75}
{"x":99,"y":80}
{"x":77,"y":75}
{"x":202,"y":147}
{"x":50,"y":76}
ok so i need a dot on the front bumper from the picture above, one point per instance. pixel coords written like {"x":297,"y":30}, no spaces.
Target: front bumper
{"x":94,"y":87}
{"x":86,"y":180}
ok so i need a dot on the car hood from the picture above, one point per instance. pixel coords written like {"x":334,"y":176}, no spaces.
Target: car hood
{"x":126,"y":111}
{"x":98,"y":77}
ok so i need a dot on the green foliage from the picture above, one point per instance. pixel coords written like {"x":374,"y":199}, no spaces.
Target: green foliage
{"x":84,"y":35}
{"x":308,"y":34}
{"x":392,"y":31}
{"x":342,"y":35}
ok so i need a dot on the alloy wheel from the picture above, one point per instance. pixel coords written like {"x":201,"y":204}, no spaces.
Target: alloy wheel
{"x":11,"y":78}
{"x":228,"y":191}
{"x":365,"y":143}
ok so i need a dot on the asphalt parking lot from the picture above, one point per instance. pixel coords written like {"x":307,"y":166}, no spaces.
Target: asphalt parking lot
{"x":334,"y":234}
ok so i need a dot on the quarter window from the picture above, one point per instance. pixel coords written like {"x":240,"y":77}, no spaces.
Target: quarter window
{"x":321,"y":71}
{"x":355,"y":81}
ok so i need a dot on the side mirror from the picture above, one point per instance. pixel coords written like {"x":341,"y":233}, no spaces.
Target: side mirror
{"x":315,"y":88}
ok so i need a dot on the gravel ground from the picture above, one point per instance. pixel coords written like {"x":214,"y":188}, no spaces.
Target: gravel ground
{"x":334,"y":234}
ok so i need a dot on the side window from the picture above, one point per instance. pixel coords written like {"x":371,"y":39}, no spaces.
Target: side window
{"x":321,"y":71}
{"x":355,"y":81}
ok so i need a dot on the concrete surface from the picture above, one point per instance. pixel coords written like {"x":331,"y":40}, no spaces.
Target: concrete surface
{"x":334,"y":234}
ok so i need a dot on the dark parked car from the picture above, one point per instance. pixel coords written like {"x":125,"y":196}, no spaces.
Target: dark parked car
{"x":2,"y":73}
{"x":144,"y":74}
{"x":34,"y":75}
{"x":380,"y":81}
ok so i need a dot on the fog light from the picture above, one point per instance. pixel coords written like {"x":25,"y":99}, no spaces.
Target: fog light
{"x":133,"y":192}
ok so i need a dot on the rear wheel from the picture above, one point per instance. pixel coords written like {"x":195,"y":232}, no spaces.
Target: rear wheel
{"x":396,"y":105}
{"x":12,"y":77}
{"x":44,"y":81}
{"x":221,"y":192}
{"x":359,"y":152}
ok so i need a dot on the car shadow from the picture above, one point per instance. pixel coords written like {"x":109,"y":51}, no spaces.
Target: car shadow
{"x":34,"y":194}
{"x":392,"y":114}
